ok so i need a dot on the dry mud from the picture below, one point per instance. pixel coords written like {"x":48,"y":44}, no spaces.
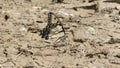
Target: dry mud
{"x":92,"y":29}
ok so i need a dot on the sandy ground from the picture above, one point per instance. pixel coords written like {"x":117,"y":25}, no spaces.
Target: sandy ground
{"x":93,"y":35}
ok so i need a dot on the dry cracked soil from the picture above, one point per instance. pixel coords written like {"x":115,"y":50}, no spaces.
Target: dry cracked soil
{"x":92,"y":37}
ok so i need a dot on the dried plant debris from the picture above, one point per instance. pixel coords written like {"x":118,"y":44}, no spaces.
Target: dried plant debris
{"x":91,"y":7}
{"x":57,"y":1}
{"x":33,"y":30}
{"x":115,"y":19}
{"x":27,"y":1}
{"x":88,"y":1}
{"x":25,"y":52}
{"x":99,"y":55}
{"x":107,"y":10}
{"x":114,"y":61}
{"x":113,"y":41}
{"x":114,"y":1}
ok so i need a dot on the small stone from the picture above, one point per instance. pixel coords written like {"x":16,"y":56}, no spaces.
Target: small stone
{"x":82,"y":34}
{"x":6,"y":17}
{"x":91,"y":30}
{"x":63,"y":67}
{"x":57,"y":1}
{"x":0,"y":7}
{"x":23,"y":29}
